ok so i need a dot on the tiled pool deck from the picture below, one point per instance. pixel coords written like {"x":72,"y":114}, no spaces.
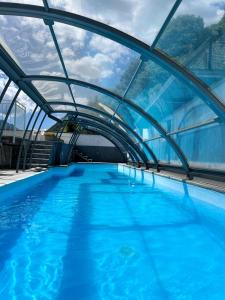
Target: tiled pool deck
{"x":9,"y":176}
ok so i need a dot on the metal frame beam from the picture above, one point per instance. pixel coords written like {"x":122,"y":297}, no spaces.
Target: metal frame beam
{"x":12,"y":70}
{"x":118,"y":36}
{"x":165,"y":24}
{"x":109,"y":137}
{"x":75,"y":137}
{"x":112,"y":129}
{"x":118,"y":134}
{"x":115,"y":142}
{"x":126,"y":127}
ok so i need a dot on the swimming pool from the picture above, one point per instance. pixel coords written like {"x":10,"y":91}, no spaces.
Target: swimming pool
{"x":104,"y":231}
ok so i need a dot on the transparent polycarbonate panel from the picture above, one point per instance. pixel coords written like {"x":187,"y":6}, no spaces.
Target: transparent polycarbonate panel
{"x":95,"y":59}
{"x":138,"y":123}
{"x":164,"y":152}
{"x":3,"y":80}
{"x":53,"y":91}
{"x":48,"y":130}
{"x":195,"y":37}
{"x":16,"y":121}
{"x":144,"y":149}
{"x":63,"y":107}
{"x":88,"y":97}
{"x":204,"y":147}
{"x":124,"y":129}
{"x":141,"y":19}
{"x":60,"y":116}
{"x":30,"y":133}
{"x":10,"y":93}
{"x":92,"y":113}
{"x":29,"y":105}
{"x":29,"y":42}
{"x":33,"y":2}
{"x":167,"y":99}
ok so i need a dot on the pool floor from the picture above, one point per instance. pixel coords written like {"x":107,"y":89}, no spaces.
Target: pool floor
{"x":97,"y":233}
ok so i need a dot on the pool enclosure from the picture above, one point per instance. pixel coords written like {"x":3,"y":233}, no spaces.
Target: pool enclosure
{"x":147,"y":75}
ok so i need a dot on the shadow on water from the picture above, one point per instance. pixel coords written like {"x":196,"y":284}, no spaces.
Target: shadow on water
{"x":77,"y":280}
{"x":17,"y":213}
{"x":77,"y":173}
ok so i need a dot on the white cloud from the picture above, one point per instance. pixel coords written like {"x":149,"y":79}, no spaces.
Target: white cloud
{"x":106,"y":46}
{"x":91,"y":67}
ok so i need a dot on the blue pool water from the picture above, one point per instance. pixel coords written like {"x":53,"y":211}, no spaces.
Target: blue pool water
{"x":102,"y":232}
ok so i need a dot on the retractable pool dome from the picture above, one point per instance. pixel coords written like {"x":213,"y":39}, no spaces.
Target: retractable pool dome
{"x":151,"y":80}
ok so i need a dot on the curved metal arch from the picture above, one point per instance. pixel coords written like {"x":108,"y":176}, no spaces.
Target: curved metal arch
{"x":122,"y":100}
{"x":118,"y":135}
{"x":114,"y":142}
{"x":117,"y":143}
{"x":124,"y":125}
{"x":125,"y":39}
{"x":116,"y":131}
{"x":112,"y":128}
{"x":64,"y":17}
{"x":101,"y":121}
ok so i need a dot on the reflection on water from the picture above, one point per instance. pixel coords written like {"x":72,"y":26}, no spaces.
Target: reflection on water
{"x":101,"y":234}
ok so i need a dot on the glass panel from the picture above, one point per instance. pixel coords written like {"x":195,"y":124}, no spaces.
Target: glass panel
{"x":63,"y":107}
{"x":164,"y":152}
{"x":10,"y":93}
{"x":168,"y":100}
{"x":95,"y":59}
{"x":137,"y":122}
{"x":48,"y":129}
{"x":195,"y":38}
{"x":142,"y":19}
{"x":16,"y":122}
{"x":204,"y":147}
{"x":59,"y":115}
{"x":92,"y":113}
{"x":94,"y":99}
{"x":30,"y":133}
{"x":30,"y":44}
{"x":3,"y":80}
{"x":29,"y":105}
{"x":53,"y":91}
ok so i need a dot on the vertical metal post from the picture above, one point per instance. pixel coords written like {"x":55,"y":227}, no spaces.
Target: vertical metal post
{"x":14,"y":128}
{"x":24,"y":136}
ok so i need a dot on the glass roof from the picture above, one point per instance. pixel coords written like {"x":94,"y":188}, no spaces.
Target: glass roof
{"x":142,"y":19}
{"x":29,"y":43}
{"x":177,"y":83}
{"x":88,"y":97}
{"x":172,"y":103}
{"x":91,"y":57}
{"x":195,"y":38}
{"x":53,"y":91}
{"x":58,"y":107}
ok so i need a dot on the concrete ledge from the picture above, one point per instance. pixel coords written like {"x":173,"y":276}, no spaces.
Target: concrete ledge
{"x":10,"y":176}
{"x":215,"y":185}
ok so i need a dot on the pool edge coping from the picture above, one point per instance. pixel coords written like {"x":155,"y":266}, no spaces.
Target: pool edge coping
{"x":205,"y":185}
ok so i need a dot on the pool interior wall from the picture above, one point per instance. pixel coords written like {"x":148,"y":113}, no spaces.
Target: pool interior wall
{"x":105,"y":231}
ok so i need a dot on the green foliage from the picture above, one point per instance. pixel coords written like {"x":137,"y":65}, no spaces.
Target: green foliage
{"x":184,"y":34}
